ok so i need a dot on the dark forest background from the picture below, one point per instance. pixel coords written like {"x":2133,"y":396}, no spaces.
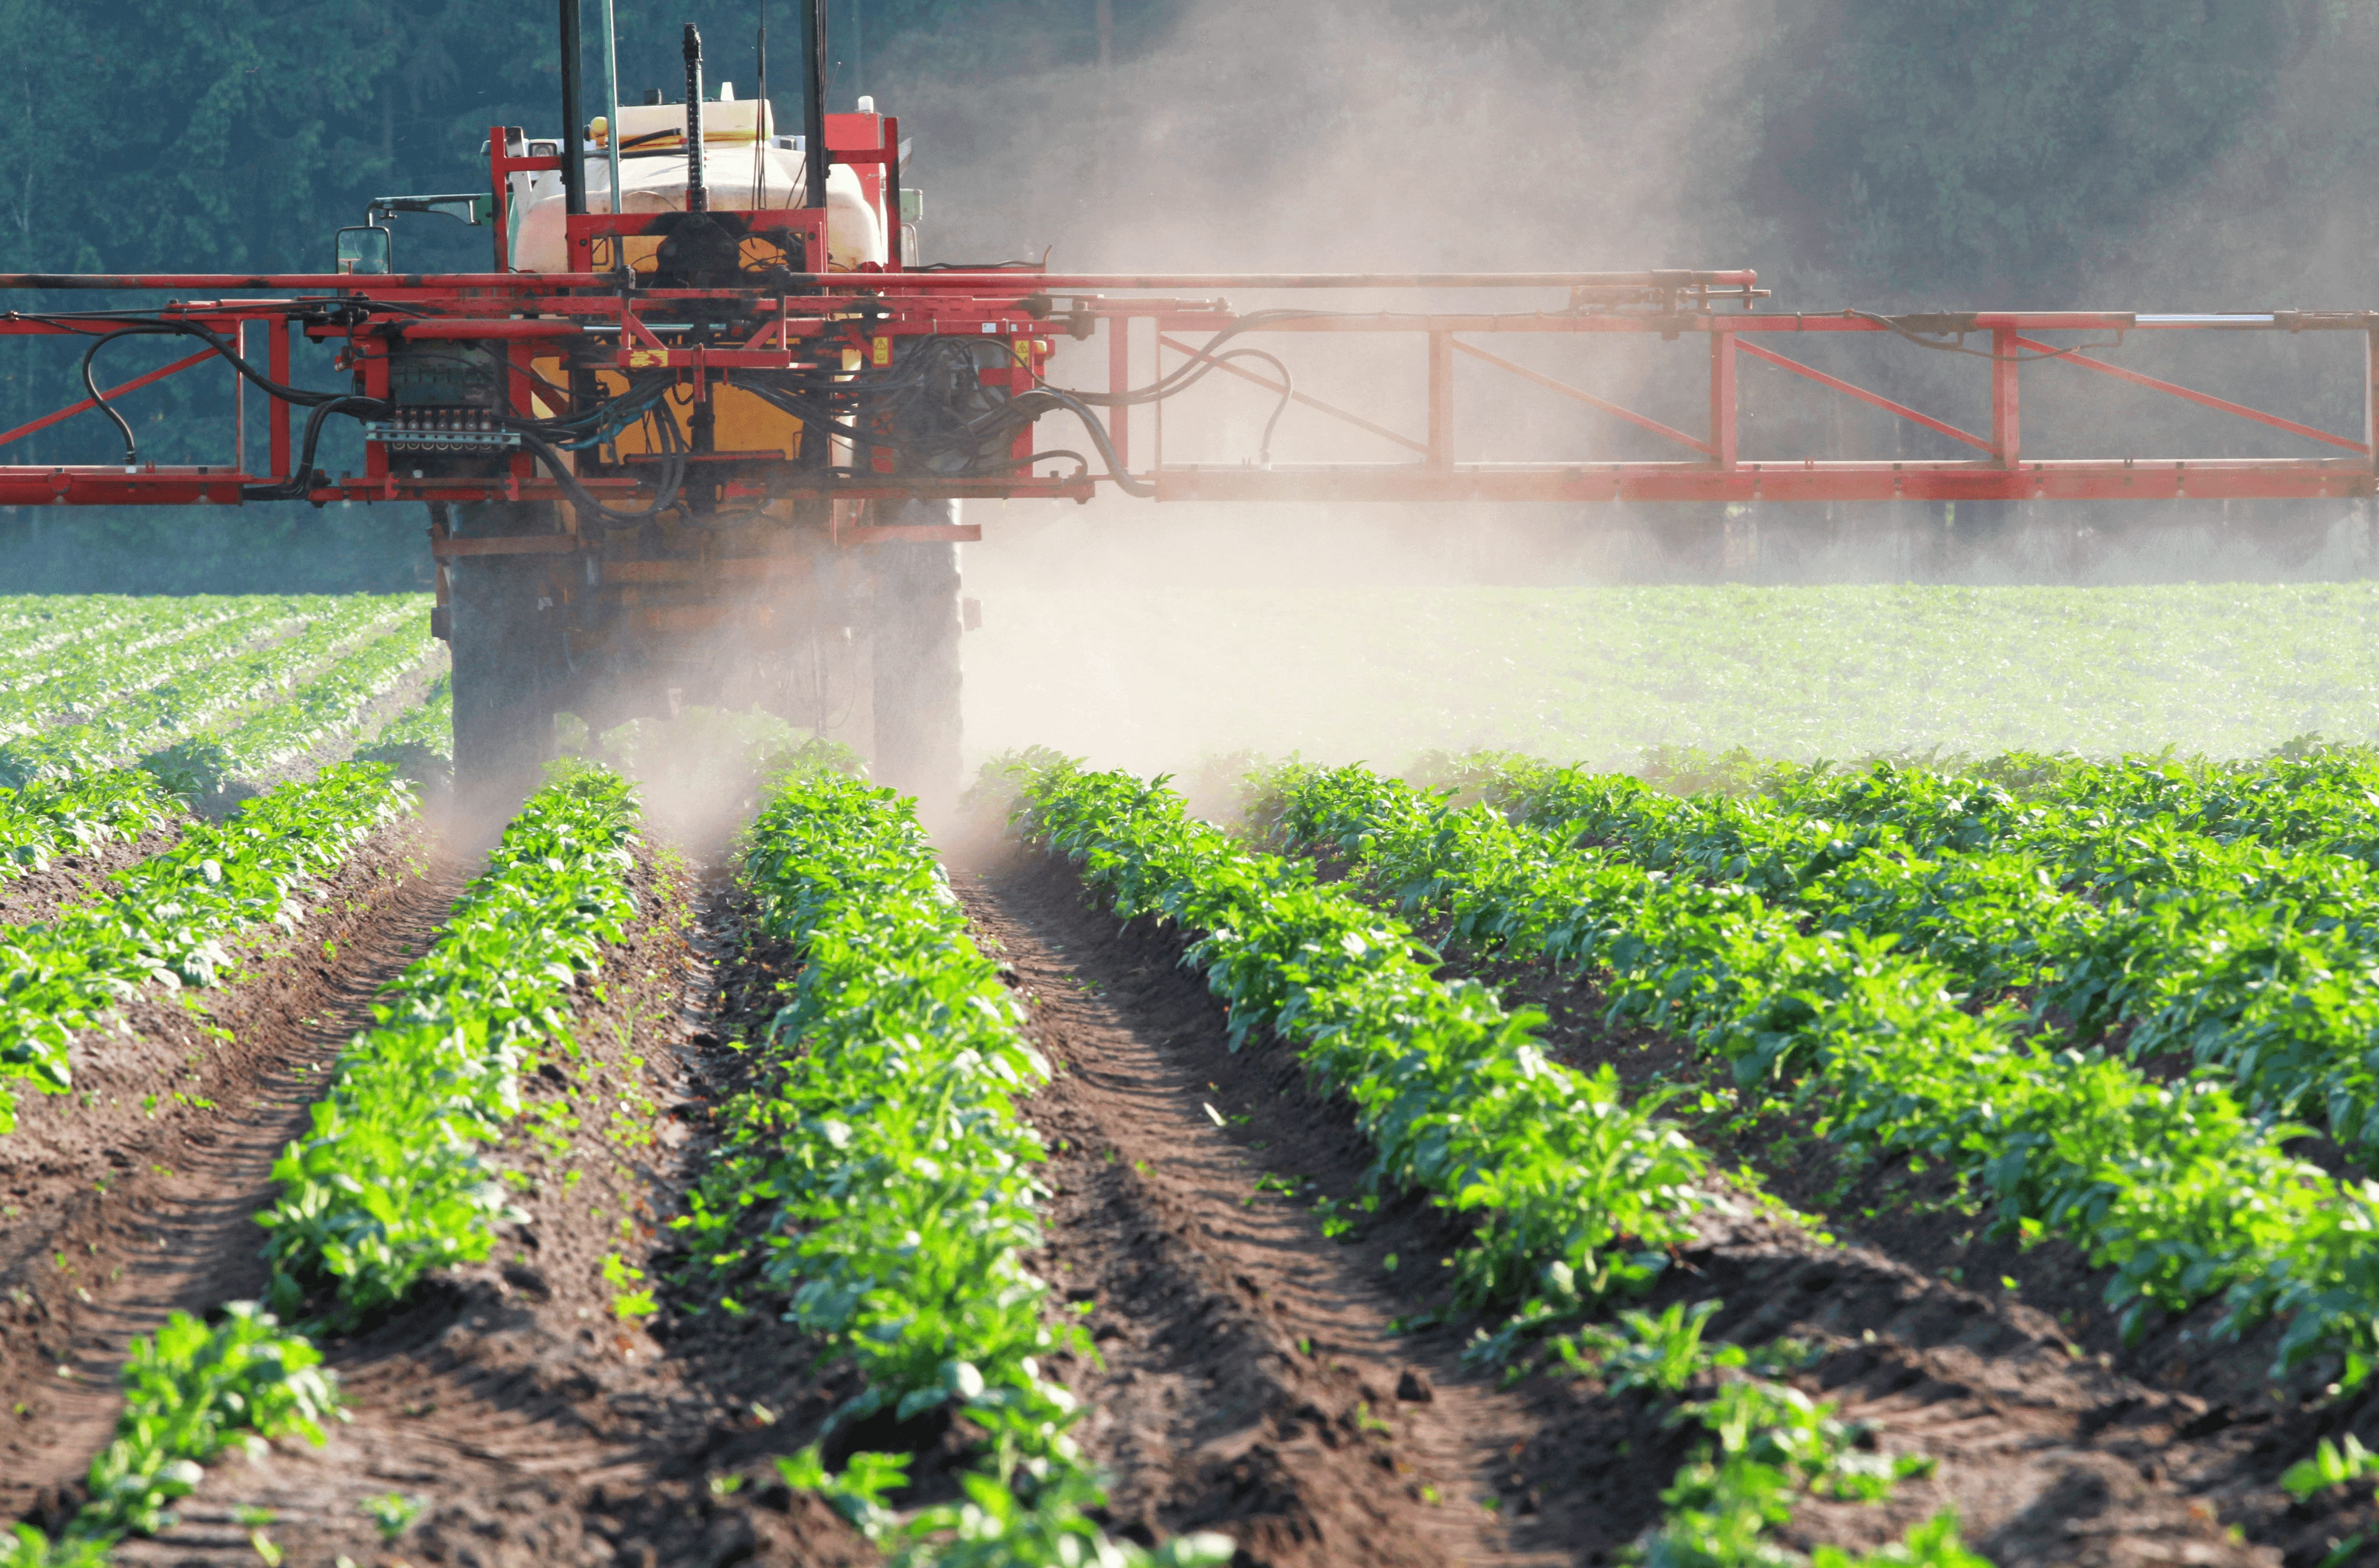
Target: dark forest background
{"x":2128,"y":153}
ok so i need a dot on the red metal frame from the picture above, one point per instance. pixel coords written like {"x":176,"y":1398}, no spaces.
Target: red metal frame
{"x":534,"y":316}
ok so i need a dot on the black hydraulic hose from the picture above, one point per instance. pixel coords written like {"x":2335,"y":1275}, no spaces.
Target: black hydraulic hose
{"x":1287,"y":390}
{"x":165,"y":328}
{"x":301,"y":474}
{"x":1098,"y":432}
{"x":672,"y":483}
{"x":1952,"y":339}
{"x":1190,"y":374}
{"x":131,"y":445}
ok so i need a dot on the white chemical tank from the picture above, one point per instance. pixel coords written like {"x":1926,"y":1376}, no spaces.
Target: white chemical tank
{"x":652,"y":179}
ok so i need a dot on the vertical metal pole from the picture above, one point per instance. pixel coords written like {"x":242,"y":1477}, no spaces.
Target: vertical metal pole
{"x":239,"y":401}
{"x":698,"y":191}
{"x":611,"y":98}
{"x":2005,"y":442}
{"x":1441,"y":400}
{"x":760,"y":125}
{"x":888,"y":188}
{"x":276,"y":365}
{"x":574,"y":116}
{"x":814,"y":107}
{"x":499,"y":223}
{"x":2371,"y":399}
{"x":1118,"y":381}
{"x":1722,"y":393}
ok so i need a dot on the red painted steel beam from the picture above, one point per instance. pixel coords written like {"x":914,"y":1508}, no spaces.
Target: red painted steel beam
{"x":1878,"y":399}
{"x":999,"y":281}
{"x":2370,"y":389}
{"x":365,"y":284}
{"x":482,"y":327}
{"x":2102,"y":480}
{"x":1606,"y":405}
{"x":276,"y":366}
{"x":2192,"y":395}
{"x":46,"y":420}
{"x":2095,"y":479}
{"x":103,"y":485}
{"x":1119,"y":382}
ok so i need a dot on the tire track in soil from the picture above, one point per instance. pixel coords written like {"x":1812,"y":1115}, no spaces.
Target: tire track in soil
{"x":532,"y":1427}
{"x":2050,"y":1456}
{"x":1250,"y":1380}
{"x":174,"y":1228}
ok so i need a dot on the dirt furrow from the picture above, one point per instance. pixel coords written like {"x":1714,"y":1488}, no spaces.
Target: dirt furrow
{"x":2056,"y":1443}
{"x":37,"y":897}
{"x":133,"y":1197}
{"x":2050,"y":1455}
{"x":510,"y":1414}
{"x":1251,"y":1375}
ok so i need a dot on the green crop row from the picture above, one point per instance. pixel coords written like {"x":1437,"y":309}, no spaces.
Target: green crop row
{"x":327,"y":704}
{"x":2246,"y":957}
{"x":190,"y":1390}
{"x":1773,"y":1444}
{"x":80,"y":685}
{"x":388,"y":1185}
{"x":891,"y":1176}
{"x":1464,"y":1110}
{"x":2176,"y":1186}
{"x":387,"y":1182}
{"x":169,"y":916}
{"x":165,"y":713}
{"x":51,"y":817}
{"x":419,"y":743}
{"x":88,"y":630}
{"x":1576,"y":1193}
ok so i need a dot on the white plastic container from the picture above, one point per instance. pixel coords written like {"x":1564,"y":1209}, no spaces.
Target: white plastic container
{"x":652,"y":177}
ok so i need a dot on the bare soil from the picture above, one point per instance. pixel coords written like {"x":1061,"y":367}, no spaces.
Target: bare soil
{"x":131,"y":1197}
{"x":523,"y":1419}
{"x":1275,"y":1359}
{"x":2194,"y":1420}
{"x":40,"y":896}
{"x":1208,"y":1292}
{"x":1249,"y":1372}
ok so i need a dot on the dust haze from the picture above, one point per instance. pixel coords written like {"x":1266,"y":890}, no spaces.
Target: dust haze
{"x":1386,"y":137}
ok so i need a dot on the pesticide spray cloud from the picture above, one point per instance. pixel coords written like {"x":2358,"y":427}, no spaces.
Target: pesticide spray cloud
{"x":1384,"y":136}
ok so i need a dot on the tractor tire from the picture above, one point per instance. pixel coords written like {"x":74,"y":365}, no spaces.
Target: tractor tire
{"x":504,"y":633}
{"x":914,"y":656}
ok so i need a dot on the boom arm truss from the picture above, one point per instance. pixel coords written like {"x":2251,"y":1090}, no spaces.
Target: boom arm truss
{"x":804,"y":321}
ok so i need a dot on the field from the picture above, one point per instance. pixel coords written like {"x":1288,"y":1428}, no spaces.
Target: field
{"x":1737,"y":1160}
{"x":1154,"y":677}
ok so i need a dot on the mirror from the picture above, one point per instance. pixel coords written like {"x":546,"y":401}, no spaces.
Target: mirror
{"x":363,"y":250}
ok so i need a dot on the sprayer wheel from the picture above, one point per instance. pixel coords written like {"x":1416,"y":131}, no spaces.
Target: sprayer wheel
{"x":502,"y":634}
{"x":915,"y":659}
